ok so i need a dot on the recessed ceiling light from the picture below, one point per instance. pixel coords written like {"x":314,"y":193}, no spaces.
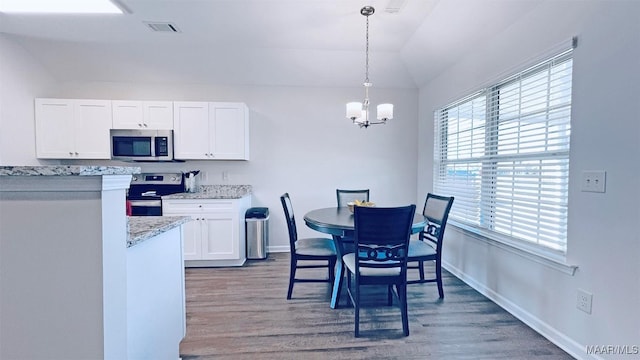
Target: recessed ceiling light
{"x":60,"y":6}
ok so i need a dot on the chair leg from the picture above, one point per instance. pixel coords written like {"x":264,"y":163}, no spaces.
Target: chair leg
{"x":348,"y":287}
{"x":421,"y":269}
{"x":344,"y":273}
{"x":402,"y":294}
{"x":389,"y":295}
{"x":332,"y":271}
{"x":439,"y":278}
{"x":292,"y":277}
{"x":356,"y":332}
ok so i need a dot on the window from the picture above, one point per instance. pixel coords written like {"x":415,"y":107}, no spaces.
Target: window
{"x":503,"y":152}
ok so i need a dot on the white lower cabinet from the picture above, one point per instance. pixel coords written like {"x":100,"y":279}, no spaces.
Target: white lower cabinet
{"x":216,"y":237}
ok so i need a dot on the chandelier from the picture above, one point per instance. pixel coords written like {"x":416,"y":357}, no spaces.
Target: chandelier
{"x":358,"y":112}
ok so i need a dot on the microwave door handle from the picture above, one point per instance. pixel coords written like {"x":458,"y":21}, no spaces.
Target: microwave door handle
{"x":145,"y":202}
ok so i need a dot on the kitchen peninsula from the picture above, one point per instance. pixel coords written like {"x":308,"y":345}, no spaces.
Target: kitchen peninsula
{"x":80,"y":280}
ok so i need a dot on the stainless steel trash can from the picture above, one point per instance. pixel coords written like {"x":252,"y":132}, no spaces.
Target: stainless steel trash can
{"x":257,"y":232}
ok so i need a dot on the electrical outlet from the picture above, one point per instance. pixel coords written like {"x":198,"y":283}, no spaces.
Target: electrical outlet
{"x":584,"y":301}
{"x":593,"y":180}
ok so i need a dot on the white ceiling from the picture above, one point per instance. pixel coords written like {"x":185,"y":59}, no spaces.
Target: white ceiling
{"x":264,"y":42}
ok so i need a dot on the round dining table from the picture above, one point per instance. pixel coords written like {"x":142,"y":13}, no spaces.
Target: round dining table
{"x":338,"y":222}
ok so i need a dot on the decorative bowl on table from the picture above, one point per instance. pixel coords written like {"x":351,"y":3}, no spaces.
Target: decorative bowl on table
{"x":352,"y":204}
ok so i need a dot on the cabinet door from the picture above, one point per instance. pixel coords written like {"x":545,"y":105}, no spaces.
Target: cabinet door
{"x":220,"y":237}
{"x":127,"y":114}
{"x":55,"y":128}
{"x":158,"y":115}
{"x":92,"y":123}
{"x":192,"y":239}
{"x":192,"y":236}
{"x":230,"y":130}
{"x":191,"y":130}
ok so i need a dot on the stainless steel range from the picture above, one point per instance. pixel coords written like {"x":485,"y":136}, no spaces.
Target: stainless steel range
{"x":146,"y":190}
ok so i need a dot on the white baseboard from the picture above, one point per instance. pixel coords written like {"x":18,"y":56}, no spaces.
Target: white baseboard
{"x":278,"y":249}
{"x":561,"y":340}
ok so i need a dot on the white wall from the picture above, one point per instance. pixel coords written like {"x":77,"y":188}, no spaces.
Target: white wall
{"x":603,"y":239}
{"x":21,"y":76}
{"x":301,"y":142}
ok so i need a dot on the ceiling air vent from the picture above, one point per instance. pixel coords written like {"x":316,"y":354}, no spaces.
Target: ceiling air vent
{"x":162,"y":27}
{"x":394,"y":6}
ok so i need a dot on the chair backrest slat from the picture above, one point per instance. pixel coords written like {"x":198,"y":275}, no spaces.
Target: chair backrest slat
{"x":346,"y":196}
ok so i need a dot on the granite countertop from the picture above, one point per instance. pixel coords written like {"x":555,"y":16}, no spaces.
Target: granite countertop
{"x":215,"y":192}
{"x":67,"y":170}
{"x":142,"y":228}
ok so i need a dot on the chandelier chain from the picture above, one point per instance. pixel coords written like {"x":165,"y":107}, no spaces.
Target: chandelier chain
{"x":366,"y":77}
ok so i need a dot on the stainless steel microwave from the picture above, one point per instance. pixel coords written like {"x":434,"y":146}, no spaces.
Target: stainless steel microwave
{"x":142,"y":145}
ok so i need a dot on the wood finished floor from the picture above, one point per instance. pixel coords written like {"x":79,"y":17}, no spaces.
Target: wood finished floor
{"x":242,"y":313}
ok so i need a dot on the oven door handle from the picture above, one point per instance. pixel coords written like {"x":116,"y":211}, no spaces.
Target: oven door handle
{"x":147,"y":203}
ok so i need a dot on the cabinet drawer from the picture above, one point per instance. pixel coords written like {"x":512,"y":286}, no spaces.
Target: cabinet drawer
{"x":195,"y":207}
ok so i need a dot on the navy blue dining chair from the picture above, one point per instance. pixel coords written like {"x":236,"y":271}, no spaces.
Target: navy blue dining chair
{"x":380,"y":257}
{"x":304,"y":250}
{"x":428,"y":246}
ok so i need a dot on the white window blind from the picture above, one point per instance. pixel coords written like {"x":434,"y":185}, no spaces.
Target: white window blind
{"x":504,"y":154}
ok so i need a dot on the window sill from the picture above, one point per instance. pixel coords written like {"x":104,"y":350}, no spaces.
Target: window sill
{"x":548,"y":258}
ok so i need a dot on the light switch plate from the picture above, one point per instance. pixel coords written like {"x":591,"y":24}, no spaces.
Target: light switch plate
{"x":593,"y":181}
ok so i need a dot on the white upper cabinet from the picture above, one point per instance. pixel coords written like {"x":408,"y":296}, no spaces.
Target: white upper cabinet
{"x":190,"y":130}
{"x":211,"y":131}
{"x":230,"y":133}
{"x":72,"y":129}
{"x":152,"y":115}
{"x":79,"y":129}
